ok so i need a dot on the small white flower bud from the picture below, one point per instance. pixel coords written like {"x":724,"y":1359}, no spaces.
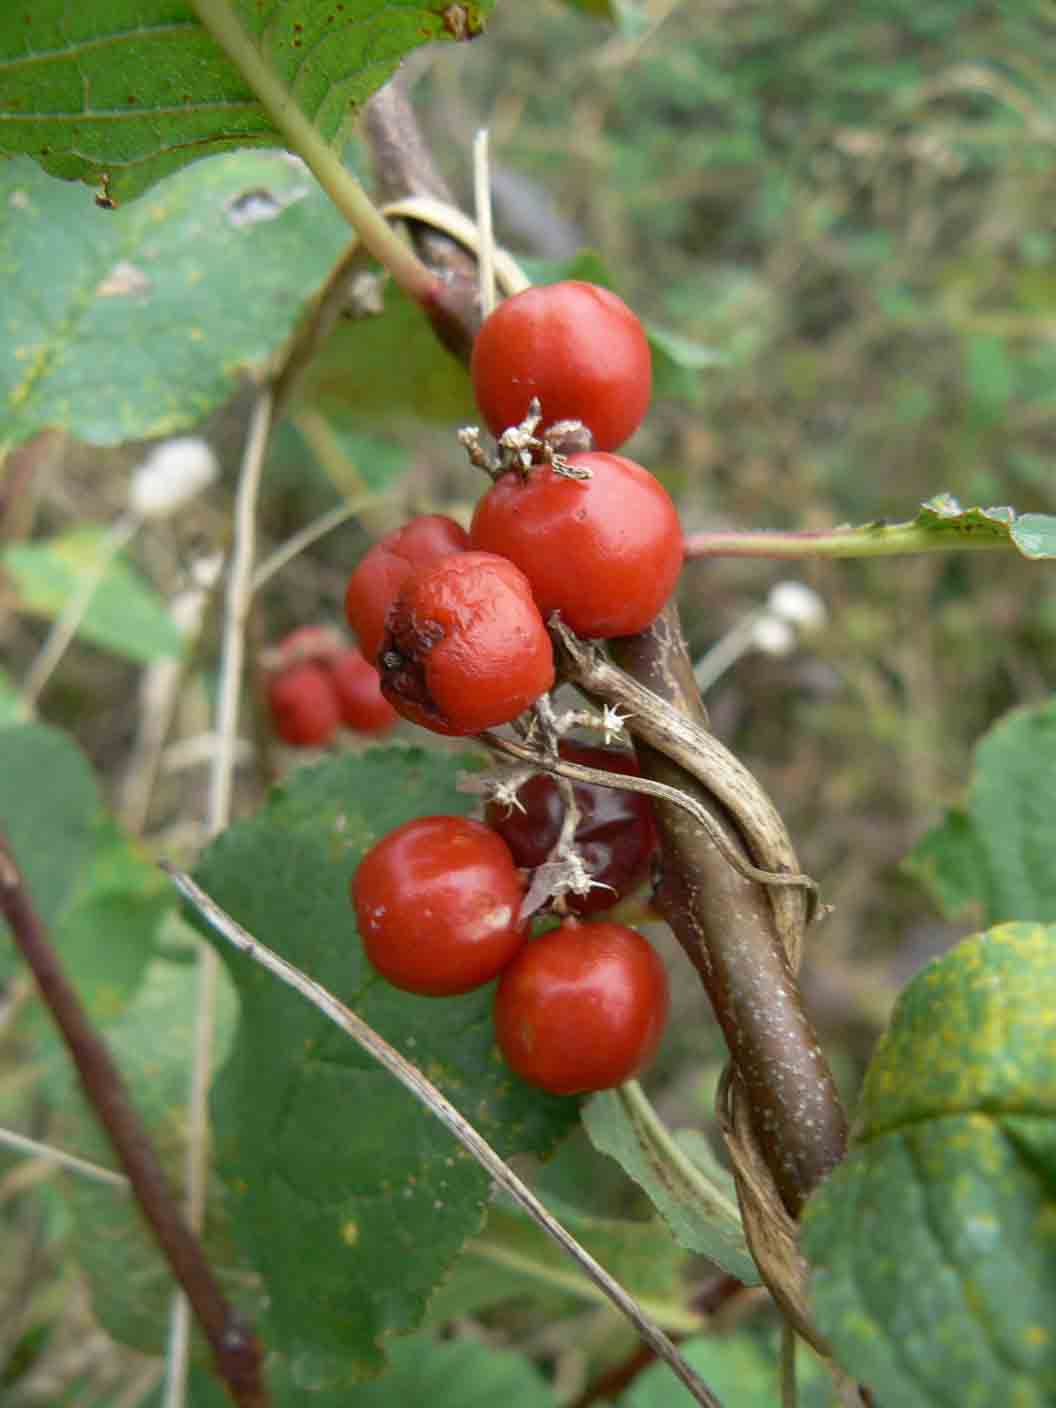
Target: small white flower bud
{"x":171,"y":475}
{"x":797,"y":604}
{"x":772,"y":636}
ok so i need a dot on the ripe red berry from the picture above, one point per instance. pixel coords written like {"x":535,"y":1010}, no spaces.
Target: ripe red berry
{"x":372,"y":587}
{"x":437,"y":903}
{"x":605,"y":551}
{"x":615,"y":833}
{"x":319,"y":643}
{"x":304,"y":705}
{"x":576,"y":347}
{"x":582,"y":1007}
{"x":363,"y":706}
{"x":466,"y":648}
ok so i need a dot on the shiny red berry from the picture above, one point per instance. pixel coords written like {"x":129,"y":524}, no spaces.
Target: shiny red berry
{"x":615,"y":834}
{"x":582,"y":1007}
{"x":304,"y":705}
{"x":373,"y":586}
{"x":577,"y":348}
{"x":437,"y":903}
{"x":363,"y":706}
{"x":605,"y":551}
{"x":466,"y":648}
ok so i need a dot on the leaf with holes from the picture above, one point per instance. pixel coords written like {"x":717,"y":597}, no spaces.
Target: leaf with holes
{"x":124,"y":92}
{"x":332,"y":1165}
{"x":933,"y":1246}
{"x":138,"y":322}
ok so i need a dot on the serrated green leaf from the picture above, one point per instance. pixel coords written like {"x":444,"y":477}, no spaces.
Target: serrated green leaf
{"x":331,"y":1163}
{"x":693,"y":1194}
{"x":933,"y":1246}
{"x":132,"y":90}
{"x":138,"y":322}
{"x":998,"y":852}
{"x":129,"y":1282}
{"x":125,"y":614}
{"x":514,"y":1259}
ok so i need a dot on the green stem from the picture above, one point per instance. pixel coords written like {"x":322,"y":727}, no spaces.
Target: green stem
{"x":674,"y":1318}
{"x":709,"y":1195}
{"x":418,"y":281}
{"x":883,"y":540}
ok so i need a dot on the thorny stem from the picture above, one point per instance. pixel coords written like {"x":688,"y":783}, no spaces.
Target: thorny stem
{"x":235,"y":1348}
{"x":341,"y":186}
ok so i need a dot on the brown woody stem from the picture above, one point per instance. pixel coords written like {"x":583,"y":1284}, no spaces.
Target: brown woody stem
{"x":236,"y":1349}
{"x":726,"y":924}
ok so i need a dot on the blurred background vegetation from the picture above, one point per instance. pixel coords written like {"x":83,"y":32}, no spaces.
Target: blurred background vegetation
{"x":851,"y":208}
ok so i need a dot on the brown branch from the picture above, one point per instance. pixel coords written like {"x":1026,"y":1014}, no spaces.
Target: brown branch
{"x":236,"y":1349}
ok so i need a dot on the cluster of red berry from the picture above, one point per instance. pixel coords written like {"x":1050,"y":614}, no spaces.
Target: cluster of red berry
{"x":316,"y":683}
{"x":456,"y":624}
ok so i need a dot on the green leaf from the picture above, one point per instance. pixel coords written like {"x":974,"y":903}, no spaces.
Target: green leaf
{"x":50,"y":806}
{"x":106,"y":933}
{"x":332,"y":1165}
{"x":933,"y":1246}
{"x":689,"y":1189}
{"x":741,"y":1370}
{"x":124,"y":615}
{"x":424,"y":1371}
{"x":12,"y":709}
{"x":138,"y":322}
{"x":373,"y":369}
{"x":514,"y":1259}
{"x":1034,"y":534}
{"x":998,"y":852}
{"x":677,"y":362}
{"x":135,"y":89}
{"x":129,"y":1281}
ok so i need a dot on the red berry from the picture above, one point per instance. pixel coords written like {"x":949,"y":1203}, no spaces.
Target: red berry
{"x":605,"y":551}
{"x":437,"y":903}
{"x":466,"y":648}
{"x":320,"y":643}
{"x":581,"y":1008}
{"x":363,"y":706}
{"x":615,"y":833}
{"x":373,"y":585}
{"x":304,"y":705}
{"x":576,"y":347}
